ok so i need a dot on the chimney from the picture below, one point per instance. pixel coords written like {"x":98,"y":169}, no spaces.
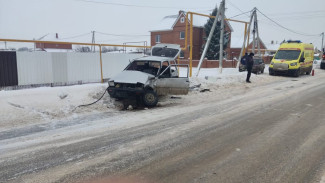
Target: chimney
{"x":56,"y":35}
{"x":180,"y":12}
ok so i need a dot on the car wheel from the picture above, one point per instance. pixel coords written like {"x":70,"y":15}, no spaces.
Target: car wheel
{"x":262,"y":71}
{"x":150,"y":98}
{"x":271,"y":73}
{"x":297,"y":73}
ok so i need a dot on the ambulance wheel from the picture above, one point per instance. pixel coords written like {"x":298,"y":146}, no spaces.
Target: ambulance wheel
{"x":271,"y":73}
{"x":297,"y":73}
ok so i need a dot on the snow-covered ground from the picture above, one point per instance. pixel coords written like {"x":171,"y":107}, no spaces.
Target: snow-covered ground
{"x":45,"y":104}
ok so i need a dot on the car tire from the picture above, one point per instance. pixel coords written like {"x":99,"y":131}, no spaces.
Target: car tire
{"x":271,"y":73}
{"x":262,"y":71}
{"x":150,"y":98}
{"x":322,"y":65}
{"x":297,"y":73}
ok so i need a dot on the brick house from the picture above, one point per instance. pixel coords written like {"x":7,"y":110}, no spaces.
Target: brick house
{"x":171,"y":29}
{"x":237,"y":45}
{"x":50,"y":37}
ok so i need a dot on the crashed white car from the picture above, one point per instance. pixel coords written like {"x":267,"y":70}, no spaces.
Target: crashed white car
{"x":147,"y":78}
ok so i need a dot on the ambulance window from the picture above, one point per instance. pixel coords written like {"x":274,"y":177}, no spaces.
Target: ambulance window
{"x":287,"y":54}
{"x":302,"y":58}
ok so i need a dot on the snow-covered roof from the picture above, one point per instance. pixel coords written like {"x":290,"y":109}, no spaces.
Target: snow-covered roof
{"x":168,"y":22}
{"x":237,"y":42}
{"x":165,"y":24}
{"x":272,"y":46}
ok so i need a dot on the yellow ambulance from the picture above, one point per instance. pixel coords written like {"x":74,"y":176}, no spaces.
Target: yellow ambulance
{"x":293,"y":58}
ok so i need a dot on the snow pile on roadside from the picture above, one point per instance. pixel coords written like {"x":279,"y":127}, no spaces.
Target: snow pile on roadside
{"x":47,"y":103}
{"x":40,"y":105}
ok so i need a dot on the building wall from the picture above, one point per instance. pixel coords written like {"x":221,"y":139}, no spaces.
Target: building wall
{"x":53,"y":46}
{"x":235,"y":52}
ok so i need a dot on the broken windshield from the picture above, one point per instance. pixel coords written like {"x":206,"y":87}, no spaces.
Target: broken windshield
{"x":287,"y":54}
{"x":150,"y":67}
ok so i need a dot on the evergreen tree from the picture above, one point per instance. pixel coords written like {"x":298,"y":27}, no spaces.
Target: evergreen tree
{"x":214,"y":48}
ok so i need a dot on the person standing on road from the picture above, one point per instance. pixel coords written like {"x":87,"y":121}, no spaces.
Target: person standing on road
{"x":249,"y":66}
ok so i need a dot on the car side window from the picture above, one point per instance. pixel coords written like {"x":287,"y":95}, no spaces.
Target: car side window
{"x":302,"y":57}
{"x":163,"y":68}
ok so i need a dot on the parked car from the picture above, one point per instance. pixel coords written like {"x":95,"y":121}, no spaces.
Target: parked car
{"x":257,"y":67}
{"x":322,"y":64}
{"x":147,"y":78}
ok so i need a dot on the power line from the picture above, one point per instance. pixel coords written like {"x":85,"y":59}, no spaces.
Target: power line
{"x":286,"y":27}
{"x":72,"y":37}
{"x":122,"y":35}
{"x":238,"y":9}
{"x":240,"y":14}
{"x":300,"y":12}
{"x":132,"y":5}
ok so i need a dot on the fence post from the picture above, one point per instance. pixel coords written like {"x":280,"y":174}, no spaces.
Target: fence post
{"x":101,"y":64}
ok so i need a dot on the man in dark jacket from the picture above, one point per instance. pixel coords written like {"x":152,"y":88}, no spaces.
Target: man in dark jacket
{"x":249,"y":66}
{"x":243,"y":59}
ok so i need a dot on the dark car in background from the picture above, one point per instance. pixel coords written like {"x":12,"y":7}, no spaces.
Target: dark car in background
{"x":258,"y":66}
{"x":322,"y":64}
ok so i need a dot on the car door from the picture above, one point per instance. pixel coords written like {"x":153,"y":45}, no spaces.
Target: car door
{"x":170,"y":83}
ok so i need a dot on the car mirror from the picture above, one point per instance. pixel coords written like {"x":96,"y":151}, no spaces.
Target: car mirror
{"x":302,"y":59}
{"x":151,"y":77}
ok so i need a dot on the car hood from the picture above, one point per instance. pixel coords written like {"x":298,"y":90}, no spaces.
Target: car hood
{"x":132,"y":77}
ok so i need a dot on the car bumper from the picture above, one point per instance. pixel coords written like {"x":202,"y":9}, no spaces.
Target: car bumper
{"x":288,"y":71}
{"x":122,"y":93}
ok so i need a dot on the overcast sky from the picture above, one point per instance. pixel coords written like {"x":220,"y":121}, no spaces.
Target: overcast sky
{"x":133,"y":19}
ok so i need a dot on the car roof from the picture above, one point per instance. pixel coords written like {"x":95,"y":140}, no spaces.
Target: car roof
{"x":154,"y":58}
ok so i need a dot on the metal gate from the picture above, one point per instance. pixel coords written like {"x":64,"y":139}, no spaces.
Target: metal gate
{"x":8,"y":69}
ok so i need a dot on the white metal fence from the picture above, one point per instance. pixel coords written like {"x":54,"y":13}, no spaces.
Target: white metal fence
{"x":68,"y":68}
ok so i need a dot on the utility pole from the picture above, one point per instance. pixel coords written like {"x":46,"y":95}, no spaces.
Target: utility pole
{"x":245,"y":38}
{"x":206,"y":46}
{"x":93,"y":42}
{"x":221,"y":35}
{"x":258,"y":36}
{"x":254,"y":33}
{"x":322,"y":47}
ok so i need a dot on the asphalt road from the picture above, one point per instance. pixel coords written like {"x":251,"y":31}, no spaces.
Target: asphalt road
{"x":269,"y":133}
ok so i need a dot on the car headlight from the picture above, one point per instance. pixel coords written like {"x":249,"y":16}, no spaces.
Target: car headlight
{"x":293,"y":64}
{"x":111,"y":83}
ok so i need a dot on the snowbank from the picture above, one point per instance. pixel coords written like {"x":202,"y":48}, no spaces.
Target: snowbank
{"x":44,"y":104}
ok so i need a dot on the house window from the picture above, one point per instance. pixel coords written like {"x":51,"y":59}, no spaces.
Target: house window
{"x":182,"y":35}
{"x":181,"y":55}
{"x":182,"y":19}
{"x":157,"y":38}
